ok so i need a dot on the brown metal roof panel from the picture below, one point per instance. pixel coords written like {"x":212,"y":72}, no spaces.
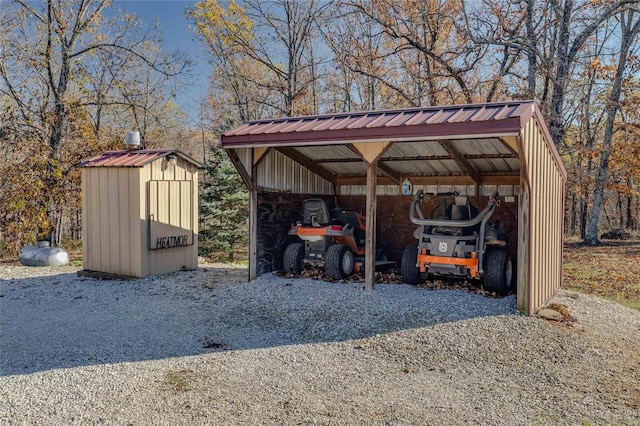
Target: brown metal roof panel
{"x":136,"y":158}
{"x":304,"y":125}
{"x":420,"y":117}
{"x":464,"y":114}
{"x":399,"y":119}
{"x":344,"y":123}
{"x":123,"y":158}
{"x":506,"y":112}
{"x":322,"y":137}
{"x":486,"y":113}
{"x":323,"y":124}
{"x":380,"y":120}
{"x":362,"y":121}
{"x":273,"y":127}
{"x":523,"y":108}
{"x":294,"y":125}
{"x":441,"y":116}
{"x":240,"y":130}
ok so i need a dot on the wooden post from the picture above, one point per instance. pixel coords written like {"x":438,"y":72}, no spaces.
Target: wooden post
{"x":370,"y":243}
{"x":253,"y":224}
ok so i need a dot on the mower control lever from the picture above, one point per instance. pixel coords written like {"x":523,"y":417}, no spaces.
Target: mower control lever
{"x":420,"y":220}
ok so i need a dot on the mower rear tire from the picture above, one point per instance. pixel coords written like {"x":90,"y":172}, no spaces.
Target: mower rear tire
{"x":339,"y":261}
{"x":410,"y":272}
{"x":498,"y":270}
{"x":294,"y":258}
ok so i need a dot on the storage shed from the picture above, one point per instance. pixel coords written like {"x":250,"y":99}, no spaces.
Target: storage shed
{"x":360,"y":159}
{"x":139,"y":212}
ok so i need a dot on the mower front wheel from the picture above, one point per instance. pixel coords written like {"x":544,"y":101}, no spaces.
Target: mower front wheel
{"x":294,"y":258}
{"x":410,"y":272}
{"x":339,"y":261}
{"x":498,"y":270}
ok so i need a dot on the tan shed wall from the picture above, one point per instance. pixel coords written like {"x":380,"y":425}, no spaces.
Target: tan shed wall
{"x":110,"y":240}
{"x":545,"y":227}
{"x":277,"y":171}
{"x":169,"y":259}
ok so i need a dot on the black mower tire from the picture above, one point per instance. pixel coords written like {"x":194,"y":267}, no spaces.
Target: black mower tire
{"x":293,"y":259}
{"x":381,"y":256}
{"x":339,"y":261}
{"x":410,"y":272}
{"x":498,"y":270}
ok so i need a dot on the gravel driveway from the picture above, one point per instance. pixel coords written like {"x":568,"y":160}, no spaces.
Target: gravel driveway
{"x":204,"y":347}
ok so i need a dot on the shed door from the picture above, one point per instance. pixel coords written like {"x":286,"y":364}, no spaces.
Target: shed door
{"x":170,"y":214}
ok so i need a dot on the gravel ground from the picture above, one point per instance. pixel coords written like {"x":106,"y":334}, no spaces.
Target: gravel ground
{"x":203,"y":347}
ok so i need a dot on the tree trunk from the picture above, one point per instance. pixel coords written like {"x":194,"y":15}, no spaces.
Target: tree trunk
{"x":629,"y":31}
{"x":574,"y":214}
{"x":556,"y":124}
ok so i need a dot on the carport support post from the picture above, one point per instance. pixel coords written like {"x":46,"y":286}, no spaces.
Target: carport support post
{"x":370,"y":242}
{"x":253,"y":220}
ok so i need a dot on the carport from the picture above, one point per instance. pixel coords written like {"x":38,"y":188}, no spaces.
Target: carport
{"x":361,"y":159}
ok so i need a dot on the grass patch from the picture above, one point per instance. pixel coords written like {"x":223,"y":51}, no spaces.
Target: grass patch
{"x":611,"y":270}
{"x":178,"y":381}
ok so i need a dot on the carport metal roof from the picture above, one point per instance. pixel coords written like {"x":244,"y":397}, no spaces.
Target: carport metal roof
{"x":476,"y":141}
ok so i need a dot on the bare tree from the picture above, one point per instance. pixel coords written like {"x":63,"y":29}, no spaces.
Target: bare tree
{"x":629,"y":30}
{"x":51,"y":44}
{"x":266,"y":43}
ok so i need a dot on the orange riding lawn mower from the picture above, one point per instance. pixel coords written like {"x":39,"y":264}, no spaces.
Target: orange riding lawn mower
{"x":335,"y":238}
{"x":460,"y":243}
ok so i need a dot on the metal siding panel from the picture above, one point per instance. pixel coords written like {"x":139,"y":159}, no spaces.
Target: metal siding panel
{"x":174,"y":203}
{"x":536,"y":221}
{"x":112,"y":220}
{"x":245,"y":156}
{"x":124,"y":223}
{"x":144,"y":176}
{"x":280,"y":172}
{"x":138,"y":196}
{"x":85,"y":226}
{"x":461,"y":189}
{"x":104,"y":248}
{"x":327,"y":152}
{"x":533,"y":268}
{"x":415,"y":149}
{"x":92,"y":221}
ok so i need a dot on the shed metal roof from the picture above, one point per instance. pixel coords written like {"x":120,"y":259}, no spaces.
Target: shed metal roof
{"x":132,"y":158}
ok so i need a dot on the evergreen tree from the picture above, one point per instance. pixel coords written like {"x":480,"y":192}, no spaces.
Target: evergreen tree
{"x":224,"y":206}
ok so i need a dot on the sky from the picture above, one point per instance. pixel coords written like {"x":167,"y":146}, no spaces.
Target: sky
{"x":177,"y":36}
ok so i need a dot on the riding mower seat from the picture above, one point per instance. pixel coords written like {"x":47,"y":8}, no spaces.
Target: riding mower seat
{"x":459,"y":210}
{"x":315,"y":213}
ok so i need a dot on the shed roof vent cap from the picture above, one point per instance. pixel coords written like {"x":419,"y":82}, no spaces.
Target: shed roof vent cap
{"x":132,"y":140}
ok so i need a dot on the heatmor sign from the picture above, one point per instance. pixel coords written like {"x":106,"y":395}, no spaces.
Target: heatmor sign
{"x":170,"y":214}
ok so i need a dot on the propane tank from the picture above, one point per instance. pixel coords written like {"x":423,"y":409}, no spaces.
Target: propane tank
{"x":43,"y":255}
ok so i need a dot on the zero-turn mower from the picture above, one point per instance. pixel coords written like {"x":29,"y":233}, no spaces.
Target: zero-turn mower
{"x":335,"y":238}
{"x":460,"y":243}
